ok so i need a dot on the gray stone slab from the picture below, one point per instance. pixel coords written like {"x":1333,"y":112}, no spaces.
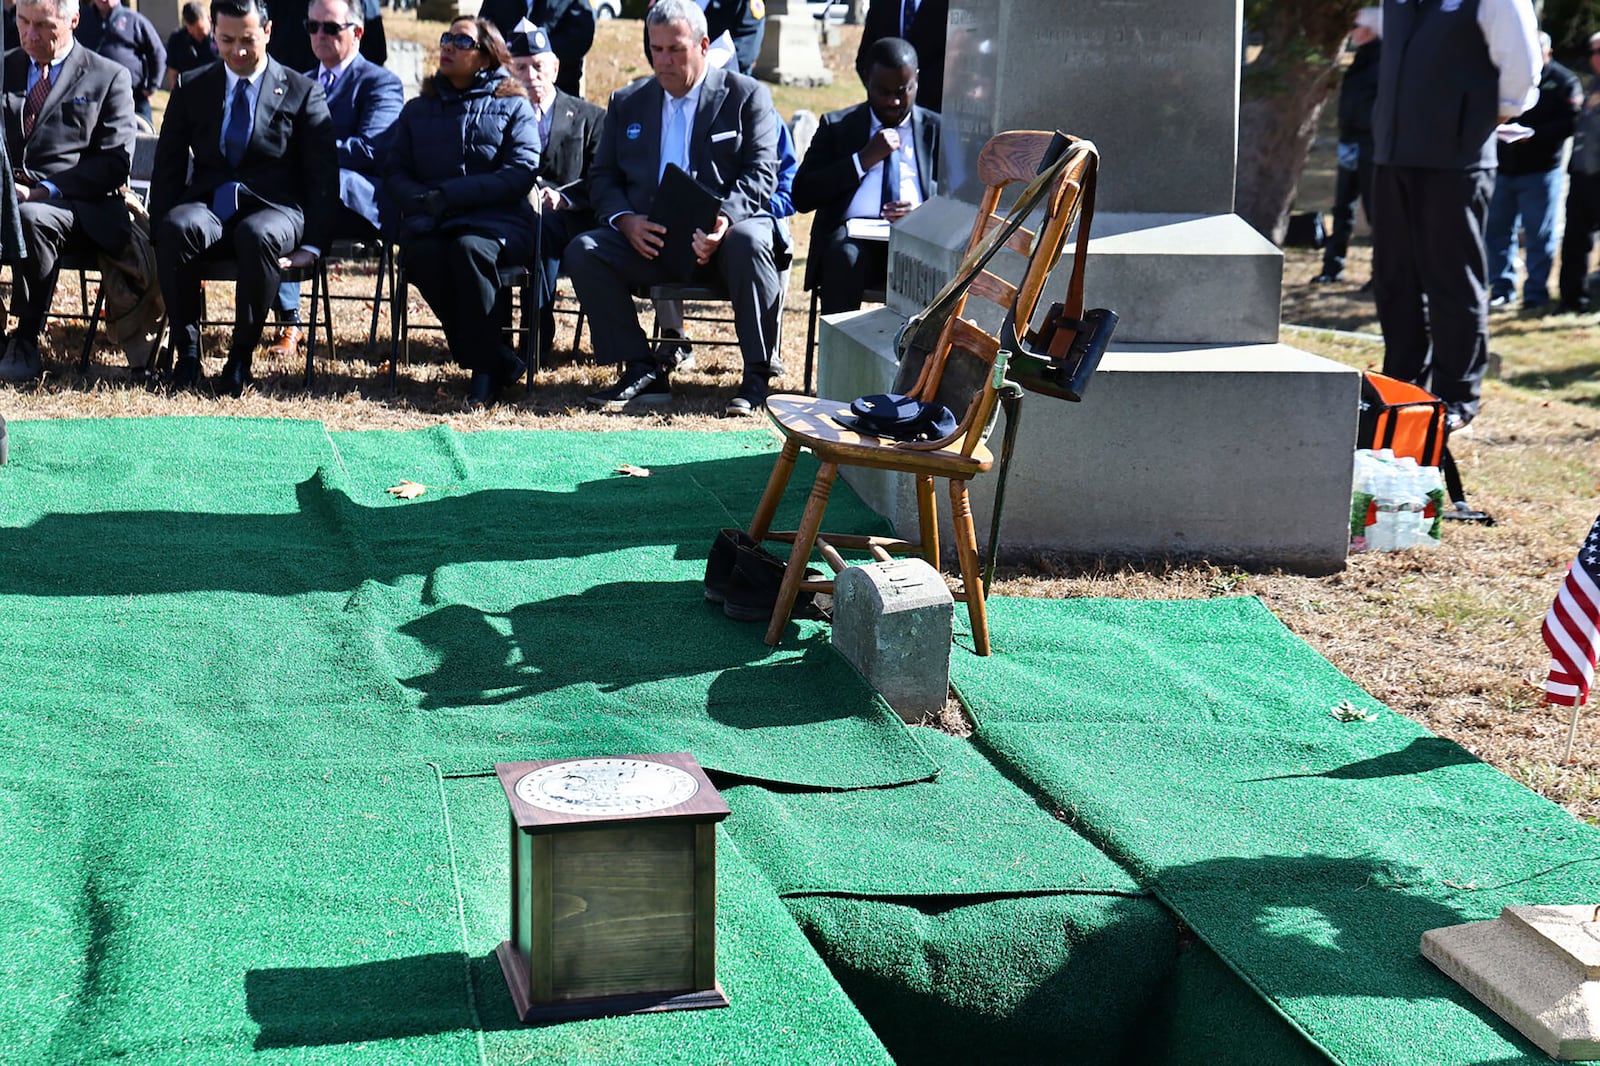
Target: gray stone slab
{"x":1173,"y":279}
{"x":791,"y":53}
{"x":1154,"y":83}
{"x":1233,"y":452}
{"x":894,"y":622}
{"x":1537,"y":967}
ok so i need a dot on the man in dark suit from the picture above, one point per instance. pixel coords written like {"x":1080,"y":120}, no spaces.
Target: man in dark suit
{"x":364,"y":100}
{"x":570,"y":24}
{"x":720,"y":127}
{"x":264,"y":188}
{"x":872,"y":161}
{"x":69,"y":132}
{"x":569,"y":134}
{"x":922,"y":22}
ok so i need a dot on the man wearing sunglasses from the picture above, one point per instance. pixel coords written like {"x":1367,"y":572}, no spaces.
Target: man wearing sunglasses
{"x":364,"y":100}
{"x":263,"y":191}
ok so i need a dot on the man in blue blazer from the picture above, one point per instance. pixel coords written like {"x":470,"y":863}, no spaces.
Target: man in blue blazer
{"x":364,"y":100}
{"x":873,"y":161}
{"x":263,"y":190}
{"x":721,"y":128}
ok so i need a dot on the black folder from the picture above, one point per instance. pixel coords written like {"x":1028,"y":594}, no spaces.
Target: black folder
{"x":682,"y":205}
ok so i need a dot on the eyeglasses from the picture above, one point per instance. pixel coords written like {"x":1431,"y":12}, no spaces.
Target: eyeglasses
{"x":330,"y":29}
{"x":464,"y":41}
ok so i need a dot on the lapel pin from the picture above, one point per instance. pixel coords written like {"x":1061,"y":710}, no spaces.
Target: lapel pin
{"x":277,"y":92}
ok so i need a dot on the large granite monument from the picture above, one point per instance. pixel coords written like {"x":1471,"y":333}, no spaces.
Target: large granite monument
{"x":1201,"y":433}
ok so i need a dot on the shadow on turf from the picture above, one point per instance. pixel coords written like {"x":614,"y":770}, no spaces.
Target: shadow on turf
{"x":331,"y":542}
{"x":1418,"y":757}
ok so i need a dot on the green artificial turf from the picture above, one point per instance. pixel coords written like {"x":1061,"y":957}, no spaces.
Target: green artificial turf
{"x":965,"y":921}
{"x":266,"y":597}
{"x":1196,"y":742}
{"x":229,"y":659}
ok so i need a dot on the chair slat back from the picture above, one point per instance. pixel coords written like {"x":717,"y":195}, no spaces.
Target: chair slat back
{"x":959,"y":371}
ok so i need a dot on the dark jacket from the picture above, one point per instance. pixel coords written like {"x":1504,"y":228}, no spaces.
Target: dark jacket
{"x":827,"y":181}
{"x":184,"y":53}
{"x":926,"y":35}
{"x":289,"y":162}
{"x":1358,"y":92}
{"x":479,"y":148}
{"x":82,"y":142}
{"x":733,"y":147}
{"x":574,"y":138}
{"x":570,"y":24}
{"x":1553,"y":119}
{"x":1438,"y":90}
{"x":125,"y":37}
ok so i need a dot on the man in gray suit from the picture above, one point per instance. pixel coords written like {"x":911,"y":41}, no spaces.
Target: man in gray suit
{"x":69,"y":132}
{"x":721,"y":128}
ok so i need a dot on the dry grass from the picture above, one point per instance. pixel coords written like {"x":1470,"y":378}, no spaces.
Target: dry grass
{"x":1449,"y":637}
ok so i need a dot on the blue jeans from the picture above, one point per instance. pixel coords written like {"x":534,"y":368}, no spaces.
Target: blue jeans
{"x":1532,"y":198}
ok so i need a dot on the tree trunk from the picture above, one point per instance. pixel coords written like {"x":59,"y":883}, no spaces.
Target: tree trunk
{"x":1282,"y":94}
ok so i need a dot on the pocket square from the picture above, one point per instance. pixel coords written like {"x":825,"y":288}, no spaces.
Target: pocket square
{"x":724,"y":135}
{"x":80,"y":100}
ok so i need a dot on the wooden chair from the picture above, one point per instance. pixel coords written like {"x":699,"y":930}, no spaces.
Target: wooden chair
{"x":957,"y":373}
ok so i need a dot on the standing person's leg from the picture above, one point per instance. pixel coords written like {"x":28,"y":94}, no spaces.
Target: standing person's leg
{"x":182,"y":237}
{"x":1540,"y":201}
{"x":1500,"y":238}
{"x":1452,"y":205}
{"x":1577,"y":241}
{"x":1395,"y":281}
{"x":1346,"y":189}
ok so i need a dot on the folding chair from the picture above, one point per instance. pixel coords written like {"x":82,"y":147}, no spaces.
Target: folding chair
{"x":522,"y":283}
{"x":958,"y":372}
{"x":227,"y":269}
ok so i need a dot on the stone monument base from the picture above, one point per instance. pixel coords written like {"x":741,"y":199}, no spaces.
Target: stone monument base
{"x":1174,"y":279}
{"x":1237,"y":452}
{"x":790,"y":52}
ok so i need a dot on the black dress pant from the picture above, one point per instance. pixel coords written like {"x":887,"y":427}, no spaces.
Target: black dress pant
{"x":849,"y":267}
{"x":255,"y":240}
{"x":1583,"y":218}
{"x":1430,"y":273}
{"x":458,"y":274}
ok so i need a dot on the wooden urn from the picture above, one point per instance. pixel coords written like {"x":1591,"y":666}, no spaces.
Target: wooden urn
{"x":613,"y":886}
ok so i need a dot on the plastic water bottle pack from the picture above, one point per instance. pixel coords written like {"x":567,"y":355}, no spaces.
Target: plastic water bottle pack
{"x":1394,"y":503}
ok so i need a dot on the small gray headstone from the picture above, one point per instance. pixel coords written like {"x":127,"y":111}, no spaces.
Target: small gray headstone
{"x":406,"y":59}
{"x":894,"y":622}
{"x":802,"y":128}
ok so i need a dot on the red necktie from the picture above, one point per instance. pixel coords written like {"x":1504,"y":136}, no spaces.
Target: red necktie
{"x":35,"y":101}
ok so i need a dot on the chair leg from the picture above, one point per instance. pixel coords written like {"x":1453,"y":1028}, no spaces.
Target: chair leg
{"x":777,"y":481}
{"x":811,"y":339}
{"x":805,"y":539}
{"x":530,"y":328}
{"x":94,"y":324}
{"x":577,"y":332}
{"x":377,"y":296}
{"x":317,"y":276}
{"x":928,"y":519}
{"x":397,"y":323}
{"x":971,"y":572}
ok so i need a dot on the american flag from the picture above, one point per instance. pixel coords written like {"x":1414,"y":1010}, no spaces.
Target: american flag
{"x":1570,"y":627}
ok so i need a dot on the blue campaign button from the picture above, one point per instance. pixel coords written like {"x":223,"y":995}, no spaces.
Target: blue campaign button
{"x":634,"y":129}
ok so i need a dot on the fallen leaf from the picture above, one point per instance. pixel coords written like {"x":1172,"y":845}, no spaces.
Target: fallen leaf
{"x":633,"y":471}
{"x":408,"y":490}
{"x":1349,"y":712}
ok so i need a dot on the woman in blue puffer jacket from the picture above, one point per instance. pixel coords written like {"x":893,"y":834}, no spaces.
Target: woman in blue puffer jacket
{"x":463,"y":159}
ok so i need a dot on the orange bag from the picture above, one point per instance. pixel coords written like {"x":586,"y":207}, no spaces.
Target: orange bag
{"x":1403,"y":417}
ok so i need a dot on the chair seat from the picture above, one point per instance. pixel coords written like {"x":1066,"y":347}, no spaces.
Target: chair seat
{"x":811,"y":422}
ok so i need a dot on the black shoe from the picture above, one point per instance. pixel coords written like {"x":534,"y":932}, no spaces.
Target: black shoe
{"x":673,"y":352}
{"x":639,"y":384}
{"x":481,"y":388}
{"x":724,"y":554}
{"x":752,"y":590}
{"x":752,"y":396}
{"x":509,"y":370}
{"x":1366,"y":289}
{"x":1500,"y":300}
{"x":235,"y":376}
{"x":1326,"y":278}
{"x":186,"y":373}
{"x":1572,"y":307}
